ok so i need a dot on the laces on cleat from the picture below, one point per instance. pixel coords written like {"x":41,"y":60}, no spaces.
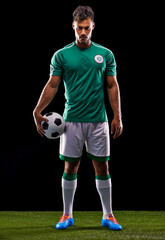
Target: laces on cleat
{"x":113,"y":219}
{"x":64,"y":218}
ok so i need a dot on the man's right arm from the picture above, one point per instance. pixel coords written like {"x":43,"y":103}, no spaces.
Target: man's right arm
{"x":46,"y":97}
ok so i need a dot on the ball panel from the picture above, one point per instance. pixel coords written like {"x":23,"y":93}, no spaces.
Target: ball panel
{"x":58,"y":121}
{"x":45,"y":125}
{"x":55,"y":134}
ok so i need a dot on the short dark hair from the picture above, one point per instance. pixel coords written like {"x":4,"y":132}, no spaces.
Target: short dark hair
{"x":81,"y":13}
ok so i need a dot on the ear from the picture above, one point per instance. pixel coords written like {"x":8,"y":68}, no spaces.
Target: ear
{"x":93,"y":26}
{"x":73,"y":25}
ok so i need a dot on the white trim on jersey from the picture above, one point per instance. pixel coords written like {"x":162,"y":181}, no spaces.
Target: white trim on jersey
{"x":63,"y":49}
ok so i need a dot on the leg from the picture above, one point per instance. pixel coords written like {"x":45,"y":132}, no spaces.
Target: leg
{"x":69,"y":184}
{"x":103,"y":185}
{"x":104,"y":188}
{"x":98,"y":149}
{"x":70,"y":152}
{"x":71,"y":146}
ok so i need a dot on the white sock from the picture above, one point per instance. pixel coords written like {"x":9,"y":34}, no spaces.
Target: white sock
{"x":68,"y":192}
{"x":104,"y":188}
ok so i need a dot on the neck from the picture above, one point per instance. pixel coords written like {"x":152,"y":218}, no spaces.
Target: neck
{"x":83,"y":45}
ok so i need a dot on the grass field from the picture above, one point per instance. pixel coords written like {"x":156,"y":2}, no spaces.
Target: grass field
{"x":40,"y":226}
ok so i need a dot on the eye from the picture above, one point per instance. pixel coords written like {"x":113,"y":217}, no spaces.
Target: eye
{"x":86,"y":28}
{"x":79,"y":28}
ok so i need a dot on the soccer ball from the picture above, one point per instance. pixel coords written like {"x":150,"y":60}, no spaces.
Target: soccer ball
{"x":55,"y":127}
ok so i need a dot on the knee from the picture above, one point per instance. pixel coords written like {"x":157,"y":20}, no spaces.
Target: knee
{"x":101,"y":168}
{"x":71,"y":168}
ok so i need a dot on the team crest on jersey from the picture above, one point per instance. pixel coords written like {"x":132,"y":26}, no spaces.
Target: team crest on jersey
{"x":99,"y":59}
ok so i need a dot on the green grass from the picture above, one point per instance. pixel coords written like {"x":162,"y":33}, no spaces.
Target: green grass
{"x":40,"y":226}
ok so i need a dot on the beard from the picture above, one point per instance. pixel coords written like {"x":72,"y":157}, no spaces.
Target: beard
{"x":83,"y":40}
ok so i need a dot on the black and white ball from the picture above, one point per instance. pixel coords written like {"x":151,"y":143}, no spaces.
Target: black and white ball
{"x":55,"y":127}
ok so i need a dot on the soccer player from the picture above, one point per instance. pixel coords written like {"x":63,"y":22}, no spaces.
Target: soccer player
{"x":84,"y":66}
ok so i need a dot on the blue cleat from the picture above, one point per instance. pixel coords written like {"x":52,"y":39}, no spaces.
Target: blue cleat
{"x":65,"y":222}
{"x":111,"y":223}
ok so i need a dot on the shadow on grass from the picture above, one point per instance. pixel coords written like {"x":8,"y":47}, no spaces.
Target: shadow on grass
{"x":82,"y":228}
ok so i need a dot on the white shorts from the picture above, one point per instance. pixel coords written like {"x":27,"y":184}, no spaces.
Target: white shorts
{"x":95,"y":136}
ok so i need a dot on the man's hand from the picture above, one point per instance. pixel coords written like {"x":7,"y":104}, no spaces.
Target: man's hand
{"x":116,"y":127}
{"x":38,"y":118}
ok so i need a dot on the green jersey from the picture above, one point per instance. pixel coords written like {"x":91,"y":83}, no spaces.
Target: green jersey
{"x":83,"y":71}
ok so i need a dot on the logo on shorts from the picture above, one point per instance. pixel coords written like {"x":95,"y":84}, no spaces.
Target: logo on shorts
{"x":99,"y":59}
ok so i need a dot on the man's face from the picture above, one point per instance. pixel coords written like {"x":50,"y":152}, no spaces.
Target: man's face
{"x":83,"y":31}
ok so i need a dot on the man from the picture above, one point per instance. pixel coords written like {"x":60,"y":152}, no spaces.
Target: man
{"x":83,"y":66}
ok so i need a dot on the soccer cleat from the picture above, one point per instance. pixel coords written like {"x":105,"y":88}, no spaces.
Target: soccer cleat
{"x":65,"y":222}
{"x":111,"y":223}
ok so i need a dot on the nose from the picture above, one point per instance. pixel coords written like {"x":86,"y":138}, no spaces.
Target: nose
{"x":83,"y":32}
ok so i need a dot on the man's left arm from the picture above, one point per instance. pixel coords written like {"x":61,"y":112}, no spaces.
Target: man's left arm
{"x":114,"y":99}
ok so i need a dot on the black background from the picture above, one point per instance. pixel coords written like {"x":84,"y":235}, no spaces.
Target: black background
{"x":30,"y":170}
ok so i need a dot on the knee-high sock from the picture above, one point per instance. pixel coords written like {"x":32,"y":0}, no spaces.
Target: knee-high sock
{"x":69,"y":184}
{"x":104,"y":188}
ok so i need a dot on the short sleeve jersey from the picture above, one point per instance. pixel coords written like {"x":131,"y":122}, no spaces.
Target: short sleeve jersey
{"x":83,"y":71}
